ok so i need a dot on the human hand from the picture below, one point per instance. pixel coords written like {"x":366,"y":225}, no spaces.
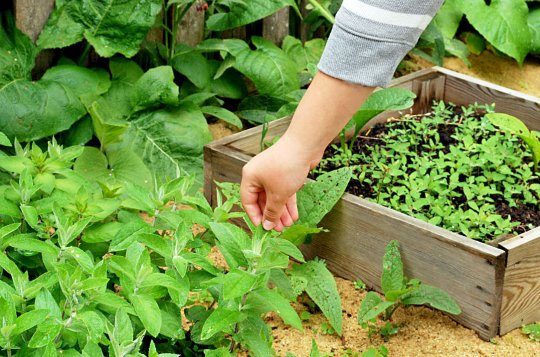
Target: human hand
{"x":270,"y":182}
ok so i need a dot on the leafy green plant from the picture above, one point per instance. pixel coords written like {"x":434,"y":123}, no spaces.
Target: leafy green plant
{"x":516,"y":126}
{"x":84,"y":271}
{"x":532,"y":330}
{"x":399,"y":291}
{"x":451,"y":168}
{"x":509,"y":26}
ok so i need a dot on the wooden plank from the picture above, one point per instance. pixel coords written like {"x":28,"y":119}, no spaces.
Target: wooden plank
{"x":360,"y":230}
{"x":276,"y":26}
{"x":191,"y":29}
{"x":461,"y":90}
{"x":427,"y":90}
{"x":521,"y":289}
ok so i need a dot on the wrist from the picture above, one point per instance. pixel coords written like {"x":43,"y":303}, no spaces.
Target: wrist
{"x":306,"y":150}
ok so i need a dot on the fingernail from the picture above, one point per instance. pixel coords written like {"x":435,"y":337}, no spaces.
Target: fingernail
{"x":268,"y":225}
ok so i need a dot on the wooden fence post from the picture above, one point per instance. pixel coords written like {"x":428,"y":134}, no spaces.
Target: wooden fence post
{"x":276,"y":26}
{"x":191,"y":29}
{"x":30,"y":17}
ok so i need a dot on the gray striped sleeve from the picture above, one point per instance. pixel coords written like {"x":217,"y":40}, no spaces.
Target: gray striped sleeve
{"x":371,"y":37}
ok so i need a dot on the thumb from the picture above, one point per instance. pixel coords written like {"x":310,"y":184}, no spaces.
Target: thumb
{"x":272,"y":211}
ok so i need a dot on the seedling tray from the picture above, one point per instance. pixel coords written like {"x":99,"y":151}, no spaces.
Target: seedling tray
{"x":496,"y":285}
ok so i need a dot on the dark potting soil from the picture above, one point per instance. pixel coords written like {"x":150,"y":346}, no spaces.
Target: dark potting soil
{"x":526,"y":214}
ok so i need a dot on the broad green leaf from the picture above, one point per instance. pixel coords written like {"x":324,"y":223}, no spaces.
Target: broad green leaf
{"x":4,"y":140}
{"x":46,"y":280}
{"x":35,"y":245}
{"x":7,"y":310}
{"x":148,"y":312}
{"x":223,"y":114}
{"x":17,"y":56}
{"x":508,"y":122}
{"x":271,"y":300}
{"x":195,"y":67}
{"x":255,"y":334}
{"x":8,"y":229}
{"x":317,"y":198}
{"x":432,"y":296}
{"x":303,"y":54}
{"x":258,"y":109}
{"x":169,"y":140}
{"x":34,"y":110}
{"x":61,"y":29}
{"x":269,"y":67}
{"x":220,"y":320}
{"x":29,"y":319}
{"x":321,"y":288}
{"x":236,"y":283}
{"x":372,"y":305}
{"x":123,"y":329}
{"x":534,"y":27}
{"x":448,"y":18}
{"x":119,"y":164}
{"x":231,"y":240}
{"x":133,"y":91}
{"x":392,"y":274}
{"x":45,"y":300}
{"x":503,"y":23}
{"x":80,"y":133}
{"x":93,"y":324}
{"x":243,"y":14}
{"x":82,"y":81}
{"x":289,"y":248}
{"x":45,"y":333}
{"x":382,"y":100}
{"x":81,"y":258}
{"x":171,"y":321}
{"x":298,"y":233}
{"x":110,"y":26}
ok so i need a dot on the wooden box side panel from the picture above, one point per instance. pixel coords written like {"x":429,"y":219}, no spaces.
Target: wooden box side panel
{"x":463,"y":90}
{"x":354,"y":248}
{"x":521,"y":289}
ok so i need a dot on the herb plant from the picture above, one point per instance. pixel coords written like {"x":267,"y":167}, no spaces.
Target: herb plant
{"x":450,"y":167}
{"x":104,"y":262}
{"x":399,"y":291}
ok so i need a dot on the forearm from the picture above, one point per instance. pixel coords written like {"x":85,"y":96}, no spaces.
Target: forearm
{"x":326,"y":107}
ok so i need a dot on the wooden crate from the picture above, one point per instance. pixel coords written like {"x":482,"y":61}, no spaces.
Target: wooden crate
{"x":497,"y":286}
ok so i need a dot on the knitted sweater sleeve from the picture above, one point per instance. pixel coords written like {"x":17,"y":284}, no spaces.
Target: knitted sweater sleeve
{"x":371,"y":37}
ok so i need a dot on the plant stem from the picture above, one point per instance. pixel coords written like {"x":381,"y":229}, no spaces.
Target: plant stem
{"x":84,"y":54}
{"x":388,"y":313}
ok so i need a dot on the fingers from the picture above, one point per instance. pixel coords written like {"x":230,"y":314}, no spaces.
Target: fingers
{"x":250,"y":193}
{"x":292,"y":208}
{"x":275,"y":205}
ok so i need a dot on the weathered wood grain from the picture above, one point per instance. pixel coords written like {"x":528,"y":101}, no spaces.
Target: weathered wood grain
{"x":461,"y":90}
{"x":276,"y":26}
{"x":521,"y":289}
{"x":191,"y":29}
{"x":469,"y":271}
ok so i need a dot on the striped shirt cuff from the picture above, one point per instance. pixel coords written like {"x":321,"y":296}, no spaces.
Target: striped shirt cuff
{"x":371,"y":37}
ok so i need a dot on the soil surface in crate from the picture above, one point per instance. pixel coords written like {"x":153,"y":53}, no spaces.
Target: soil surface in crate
{"x":528,"y":215}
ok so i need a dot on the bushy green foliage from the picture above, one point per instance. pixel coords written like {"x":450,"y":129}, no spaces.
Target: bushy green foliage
{"x":447,"y":169}
{"x":84,"y":273}
{"x":509,"y":26}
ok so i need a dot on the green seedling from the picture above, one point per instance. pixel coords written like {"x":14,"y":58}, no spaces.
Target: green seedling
{"x":359,"y":285}
{"x":533,"y":331}
{"x":399,"y":291}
